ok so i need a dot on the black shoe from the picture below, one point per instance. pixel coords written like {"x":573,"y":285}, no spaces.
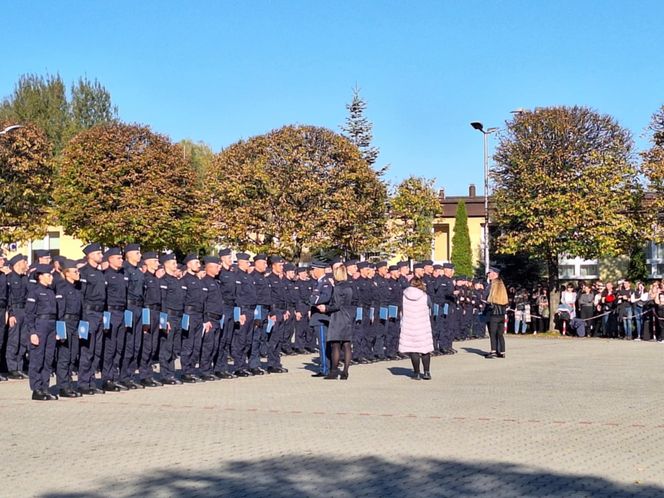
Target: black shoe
{"x":150,"y":383}
{"x":257,"y":371}
{"x":242,"y":373}
{"x":500,"y":355}
{"x":490,"y":356}
{"x":333,"y":375}
{"x":130,"y":384}
{"x":3,"y":378}
{"x":40,"y":396}
{"x":299,"y":351}
{"x":122,"y":386}
{"x":68,"y":393}
{"x":208,"y":377}
{"x":89,"y":391}
{"x":189,"y":379}
{"x":23,"y":375}
{"x":171,"y":381}
{"x":136,"y":385}
{"x":275,"y":370}
{"x":14,"y":374}
{"x":226,"y":375}
{"x":426,"y":376}
{"x":111,"y":386}
{"x":318,"y":374}
{"x":416,"y":376}
{"x":363,"y":361}
{"x":343,"y":376}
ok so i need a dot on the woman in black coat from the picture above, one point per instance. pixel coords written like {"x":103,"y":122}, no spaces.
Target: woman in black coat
{"x":342,"y":315}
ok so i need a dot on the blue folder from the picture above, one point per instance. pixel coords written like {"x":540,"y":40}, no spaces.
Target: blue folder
{"x":268,"y":328}
{"x":106,"y":320}
{"x":383,"y":313}
{"x":358,"y":314}
{"x":145,"y":316}
{"x":236,"y":313}
{"x":163,"y":321}
{"x":60,"y":330}
{"x":258,"y":313}
{"x":446,"y":308}
{"x":392,"y":311}
{"x":128,"y":318}
{"x":83,"y":330}
{"x":185,"y":322}
{"x":371,"y":314}
{"x":436,"y":309}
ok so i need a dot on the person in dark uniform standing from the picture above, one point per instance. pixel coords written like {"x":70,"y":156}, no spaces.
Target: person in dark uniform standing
{"x":41,"y":312}
{"x":213,"y":313}
{"x":246,"y":301}
{"x":227,"y":281}
{"x":365,"y":296}
{"x":447,"y":314}
{"x":172,"y":303}
{"x":17,"y":336}
{"x":302,"y":328}
{"x":114,"y":336}
{"x":383,"y":291}
{"x":278,"y":314}
{"x":70,"y":307}
{"x":320,"y":320}
{"x":257,"y":334}
{"x":393,"y":322}
{"x":150,"y":330}
{"x":3,"y":313}
{"x":192,"y":337}
{"x":293,"y":287}
{"x":134,"y":332}
{"x":93,"y":290}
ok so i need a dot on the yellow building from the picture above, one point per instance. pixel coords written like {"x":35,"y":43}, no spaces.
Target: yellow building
{"x":443,"y":228}
{"x":55,"y":241}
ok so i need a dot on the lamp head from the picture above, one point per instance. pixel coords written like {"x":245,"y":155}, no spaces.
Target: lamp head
{"x":477,"y":125}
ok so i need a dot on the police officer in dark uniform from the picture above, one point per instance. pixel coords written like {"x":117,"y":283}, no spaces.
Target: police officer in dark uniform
{"x":395,"y":298}
{"x":258,"y":336}
{"x":246,"y":301}
{"x":290,"y":344}
{"x":70,"y":307}
{"x":41,"y":313}
{"x":93,"y":289}
{"x":383,"y":291}
{"x":278,"y":314}
{"x":3,"y":312}
{"x":17,"y":336}
{"x":304,"y":334}
{"x":172,"y":303}
{"x":213,"y":314}
{"x":365,"y":291}
{"x":227,"y":280}
{"x":114,"y":335}
{"x":194,"y":300}
{"x":150,"y":331}
{"x":134,"y":332}
{"x":320,"y":319}
{"x":448,"y":299}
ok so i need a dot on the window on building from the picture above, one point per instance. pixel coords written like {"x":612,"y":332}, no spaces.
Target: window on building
{"x":577,"y":268}
{"x":655,"y":259}
{"x":51,"y":243}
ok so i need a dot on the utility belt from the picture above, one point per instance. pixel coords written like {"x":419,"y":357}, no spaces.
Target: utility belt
{"x":51,"y":316}
{"x":153,"y":307}
{"x":115,"y":308}
{"x":93,"y":307}
{"x":213,"y":316}
{"x":174,"y":313}
{"x":136,"y":303}
{"x":17,"y":306}
{"x":71,"y":317}
{"x":193,"y":309}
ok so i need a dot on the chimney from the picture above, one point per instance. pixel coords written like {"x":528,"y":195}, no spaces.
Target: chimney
{"x":441,"y":194}
{"x":471,"y":190}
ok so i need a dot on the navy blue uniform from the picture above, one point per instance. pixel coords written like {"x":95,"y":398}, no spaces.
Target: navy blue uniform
{"x":446,"y":313}
{"x":134,"y":334}
{"x":304,"y":336}
{"x":41,"y":313}
{"x":213,"y":312}
{"x":259,"y":339}
{"x":70,"y":307}
{"x":192,"y":338}
{"x":383,"y":292}
{"x":365,"y":289}
{"x":227,"y":279}
{"x":279,"y":297}
{"x":17,"y":336}
{"x":172,"y":303}
{"x":114,"y":336}
{"x":321,"y":294}
{"x":246,"y":300}
{"x":150,"y":347}
{"x":93,"y":290}
{"x":3,"y":310}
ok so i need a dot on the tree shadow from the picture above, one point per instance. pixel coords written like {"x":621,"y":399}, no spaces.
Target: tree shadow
{"x":408,"y":372}
{"x":294,"y":476}
{"x":475,"y":351}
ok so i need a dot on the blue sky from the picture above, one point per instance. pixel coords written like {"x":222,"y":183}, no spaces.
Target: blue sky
{"x":219,"y":71}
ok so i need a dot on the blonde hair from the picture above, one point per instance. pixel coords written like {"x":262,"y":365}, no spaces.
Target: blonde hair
{"x":498,"y":293}
{"x":340,"y":274}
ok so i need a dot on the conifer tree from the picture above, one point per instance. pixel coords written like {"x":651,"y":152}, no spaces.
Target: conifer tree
{"x":358,"y":128}
{"x":462,"y":255}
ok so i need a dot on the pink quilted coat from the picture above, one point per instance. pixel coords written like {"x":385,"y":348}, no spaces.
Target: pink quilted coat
{"x":415,"y":334}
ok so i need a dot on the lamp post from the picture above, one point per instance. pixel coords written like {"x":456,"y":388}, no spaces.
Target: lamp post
{"x":478,"y":126}
{"x":10,"y":128}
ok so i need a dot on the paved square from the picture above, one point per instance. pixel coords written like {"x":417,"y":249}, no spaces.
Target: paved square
{"x":558,"y":417}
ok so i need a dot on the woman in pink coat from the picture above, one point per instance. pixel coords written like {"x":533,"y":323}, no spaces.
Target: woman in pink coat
{"x":416,"y":339}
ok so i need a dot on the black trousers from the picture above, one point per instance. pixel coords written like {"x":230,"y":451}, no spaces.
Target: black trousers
{"x":496,"y":333}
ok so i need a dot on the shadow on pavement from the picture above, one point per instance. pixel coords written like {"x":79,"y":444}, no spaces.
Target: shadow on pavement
{"x":294,"y":476}
{"x":407,"y":372}
{"x":475,"y":351}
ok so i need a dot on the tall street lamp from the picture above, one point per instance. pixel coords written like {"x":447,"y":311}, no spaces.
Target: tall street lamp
{"x":10,"y":128}
{"x":478,"y":126}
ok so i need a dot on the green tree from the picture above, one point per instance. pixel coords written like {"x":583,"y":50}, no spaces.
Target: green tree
{"x":653,"y":166}
{"x":462,"y":254}
{"x":295,"y":188}
{"x":565,"y":183}
{"x":199,"y":155}
{"x":358,"y":129}
{"x":26,"y":183}
{"x":90,"y":105}
{"x":123,"y":183}
{"x":41,"y":101}
{"x":413,"y":207}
